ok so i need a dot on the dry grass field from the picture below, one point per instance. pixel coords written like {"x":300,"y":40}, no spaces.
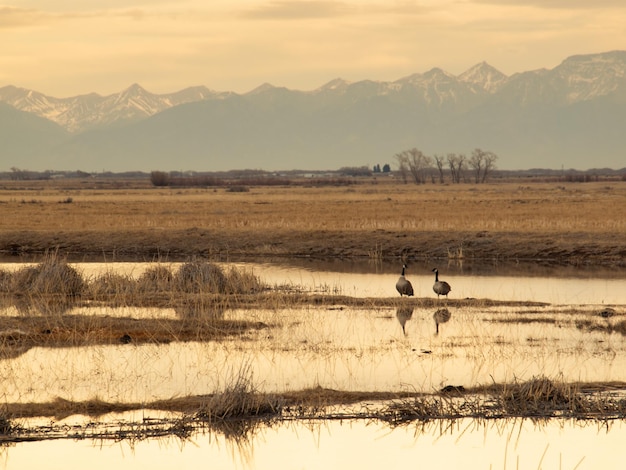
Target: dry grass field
{"x":578,"y":223}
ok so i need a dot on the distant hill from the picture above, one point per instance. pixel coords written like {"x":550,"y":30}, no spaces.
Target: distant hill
{"x":26,"y":138}
{"x":571,"y":116}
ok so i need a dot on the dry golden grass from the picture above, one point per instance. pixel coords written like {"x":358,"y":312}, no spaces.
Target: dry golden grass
{"x":238,"y":411}
{"x":545,"y":207}
{"x":386,"y":219}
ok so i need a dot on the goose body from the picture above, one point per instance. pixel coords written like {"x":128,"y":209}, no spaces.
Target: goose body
{"x":440,"y":287}
{"x":403,"y":286}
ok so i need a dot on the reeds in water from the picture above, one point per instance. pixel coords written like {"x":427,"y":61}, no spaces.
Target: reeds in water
{"x":240,"y":400}
{"x":53,"y":276}
{"x":53,"y":285}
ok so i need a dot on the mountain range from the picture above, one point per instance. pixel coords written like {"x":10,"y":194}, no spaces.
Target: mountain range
{"x":571,"y":116}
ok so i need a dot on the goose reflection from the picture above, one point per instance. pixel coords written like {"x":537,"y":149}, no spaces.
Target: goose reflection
{"x":404,"y":314}
{"x":442,"y":315}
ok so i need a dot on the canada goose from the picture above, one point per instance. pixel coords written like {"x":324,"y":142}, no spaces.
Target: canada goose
{"x":440,"y":287}
{"x":403,"y":285}
{"x":404,"y":314}
{"x":442,"y":315}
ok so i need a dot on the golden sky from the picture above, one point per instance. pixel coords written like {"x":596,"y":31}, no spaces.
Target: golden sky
{"x":69,"y":47}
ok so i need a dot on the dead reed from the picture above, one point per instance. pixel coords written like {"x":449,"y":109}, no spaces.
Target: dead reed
{"x":240,"y":400}
{"x":54,"y":281}
{"x":53,"y":276}
{"x":537,"y":398}
{"x":239,"y":409}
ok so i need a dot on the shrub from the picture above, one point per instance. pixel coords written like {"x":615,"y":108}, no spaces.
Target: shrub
{"x":112,"y":284}
{"x":156,"y":279}
{"x":242,"y":282}
{"x":159,"y":178}
{"x":201,"y":276}
{"x":52,"y":276}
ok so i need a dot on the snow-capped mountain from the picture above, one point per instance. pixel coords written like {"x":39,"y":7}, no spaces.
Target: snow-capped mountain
{"x":79,"y":113}
{"x":483,"y":77}
{"x":572,"y":115}
{"x":578,"y":78}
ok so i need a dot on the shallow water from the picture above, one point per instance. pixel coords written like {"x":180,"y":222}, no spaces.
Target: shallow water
{"x":565,"y":286}
{"x":465,"y":444}
{"x":341,"y":348}
{"x":537,"y":288}
{"x":348,"y":349}
{"x":586,"y":288}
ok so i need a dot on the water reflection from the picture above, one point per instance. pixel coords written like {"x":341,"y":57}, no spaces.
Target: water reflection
{"x":558,"y":285}
{"x":441,"y":315}
{"x":403,"y":314}
{"x":570,"y":290}
{"x":464,"y":443}
{"x":347,"y":349}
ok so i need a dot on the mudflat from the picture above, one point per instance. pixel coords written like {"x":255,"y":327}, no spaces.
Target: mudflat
{"x":559,"y":222}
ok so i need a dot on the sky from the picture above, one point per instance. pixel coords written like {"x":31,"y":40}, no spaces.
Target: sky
{"x":66,"y":48}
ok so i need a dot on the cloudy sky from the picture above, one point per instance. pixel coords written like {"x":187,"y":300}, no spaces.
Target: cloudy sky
{"x":70,"y":47}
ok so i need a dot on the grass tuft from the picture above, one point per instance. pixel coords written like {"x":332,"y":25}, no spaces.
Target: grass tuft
{"x":52,"y":276}
{"x":240,"y":400}
{"x":201,"y":276}
{"x":155,"y":279}
{"x":111,"y":283}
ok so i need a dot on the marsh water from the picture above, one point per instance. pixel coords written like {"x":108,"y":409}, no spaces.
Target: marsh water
{"x":355,"y":349}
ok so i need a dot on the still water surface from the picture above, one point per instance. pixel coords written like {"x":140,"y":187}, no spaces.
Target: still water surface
{"x":348,"y":349}
{"x":557,"y":286}
{"x":465,"y":444}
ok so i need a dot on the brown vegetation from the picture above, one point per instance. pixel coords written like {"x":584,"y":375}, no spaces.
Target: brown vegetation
{"x":577,"y":223}
{"x":237,"y":411}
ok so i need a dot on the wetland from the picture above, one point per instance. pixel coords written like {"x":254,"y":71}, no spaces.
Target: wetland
{"x":146,"y":326}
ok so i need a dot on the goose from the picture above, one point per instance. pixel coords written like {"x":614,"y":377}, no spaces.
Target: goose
{"x":440,"y":287}
{"x":404,"y":314}
{"x":403,"y":285}
{"x":442,"y":315}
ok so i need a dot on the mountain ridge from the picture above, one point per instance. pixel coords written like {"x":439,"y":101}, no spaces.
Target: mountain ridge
{"x":532,"y":118}
{"x":82,"y":112}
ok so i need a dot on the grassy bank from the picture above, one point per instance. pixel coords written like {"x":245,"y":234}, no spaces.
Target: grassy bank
{"x":576,"y":223}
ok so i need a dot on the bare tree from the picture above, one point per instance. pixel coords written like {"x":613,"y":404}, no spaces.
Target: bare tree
{"x":452,"y":158}
{"x":403,"y":165}
{"x":482,"y":163}
{"x":417,"y":163}
{"x":439,"y":162}
{"x":476,"y":164}
{"x":457,"y":166}
{"x":489,"y":165}
{"x":18,"y":174}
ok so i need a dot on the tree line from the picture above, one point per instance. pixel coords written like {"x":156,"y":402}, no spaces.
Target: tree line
{"x":414,"y":165}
